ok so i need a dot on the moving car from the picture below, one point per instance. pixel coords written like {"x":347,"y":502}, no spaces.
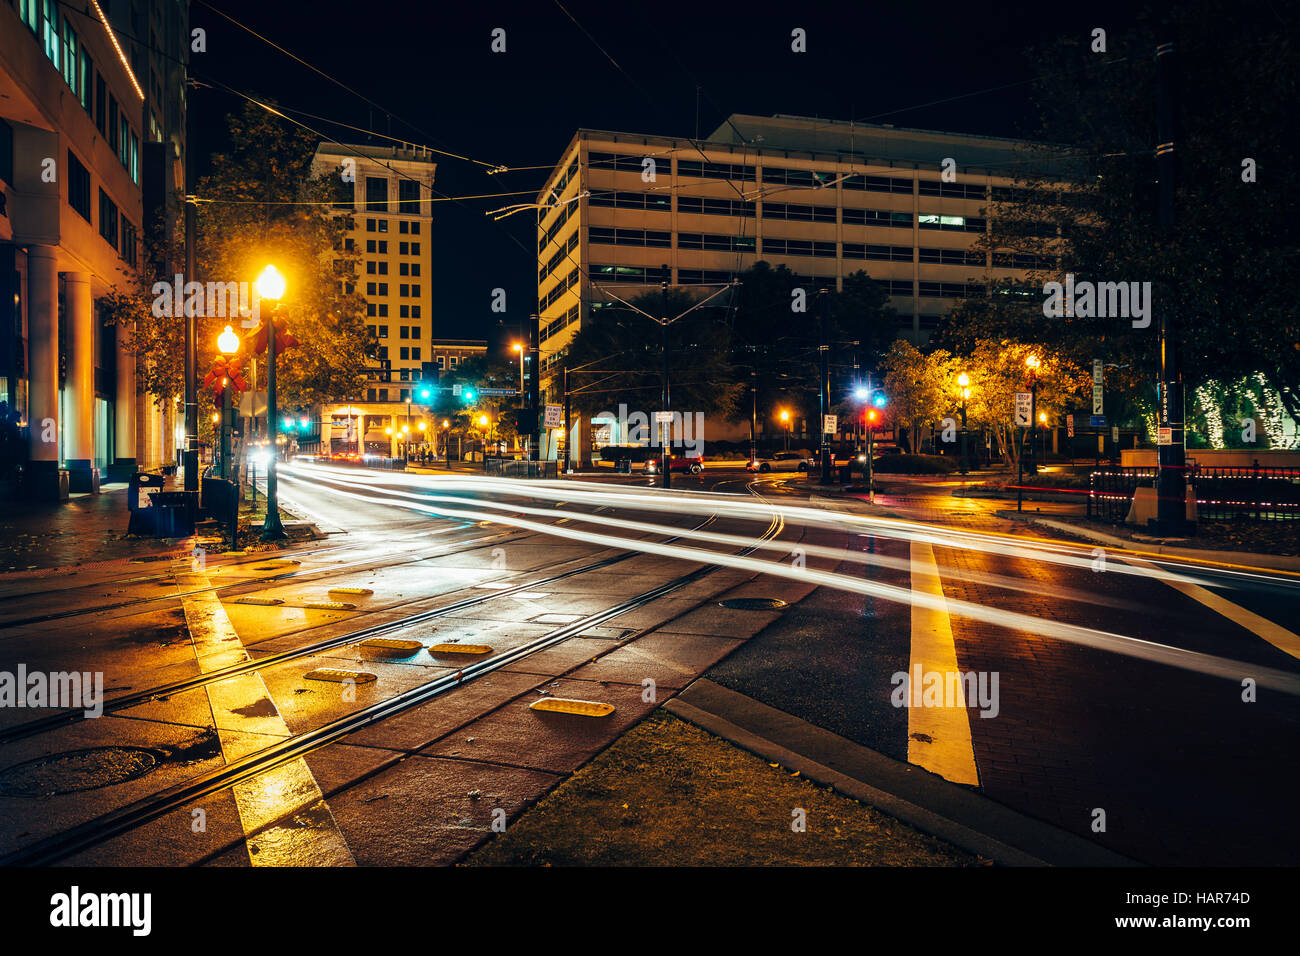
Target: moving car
{"x":677,"y":463}
{"x":780,"y":461}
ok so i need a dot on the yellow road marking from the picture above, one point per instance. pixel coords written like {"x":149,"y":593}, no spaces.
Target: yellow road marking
{"x":1284,"y":640}
{"x":938,"y":738}
{"x":242,"y":706}
{"x":565,"y":705}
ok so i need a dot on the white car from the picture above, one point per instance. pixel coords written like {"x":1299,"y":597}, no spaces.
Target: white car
{"x":780,"y":461}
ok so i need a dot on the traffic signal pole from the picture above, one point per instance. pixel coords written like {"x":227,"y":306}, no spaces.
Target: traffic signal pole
{"x":824,"y":382}
{"x":1171,"y":475}
{"x":667,"y":426}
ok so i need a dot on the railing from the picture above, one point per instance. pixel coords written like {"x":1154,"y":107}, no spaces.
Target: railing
{"x":512,"y":468}
{"x":1223,"y":493}
{"x":1255,"y":494}
{"x":1111,"y":490}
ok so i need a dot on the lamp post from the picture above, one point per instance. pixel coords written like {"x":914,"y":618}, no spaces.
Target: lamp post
{"x":518,"y":347}
{"x":1032,"y":364}
{"x":270,"y":286}
{"x":753,"y":417}
{"x":228,"y":343}
{"x":785,"y":417}
{"x":964,"y":381}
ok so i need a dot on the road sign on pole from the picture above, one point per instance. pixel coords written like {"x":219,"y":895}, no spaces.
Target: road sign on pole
{"x":1069,"y":426}
{"x":1024,"y":411}
{"x":829,"y":423}
{"x":1097,"y":387}
{"x":498,"y":391}
{"x":554,"y":416}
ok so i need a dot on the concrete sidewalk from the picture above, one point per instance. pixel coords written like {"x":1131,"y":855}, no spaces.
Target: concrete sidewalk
{"x":86,"y":529}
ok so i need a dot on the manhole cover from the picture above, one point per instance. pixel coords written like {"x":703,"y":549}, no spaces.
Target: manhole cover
{"x":77,"y":770}
{"x":753,"y":604}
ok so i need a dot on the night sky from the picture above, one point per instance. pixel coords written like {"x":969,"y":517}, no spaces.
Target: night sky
{"x":430,"y":69}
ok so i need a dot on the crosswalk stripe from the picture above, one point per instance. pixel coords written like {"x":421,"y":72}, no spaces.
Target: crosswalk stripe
{"x":938,"y":738}
{"x":1284,"y":640}
{"x":242,"y":708}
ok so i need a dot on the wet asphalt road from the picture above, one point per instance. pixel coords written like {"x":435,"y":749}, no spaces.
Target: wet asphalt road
{"x":1184,"y":770}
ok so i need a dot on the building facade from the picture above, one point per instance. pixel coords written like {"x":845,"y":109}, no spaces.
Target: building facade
{"x":391,"y":209}
{"x":75,"y":126}
{"x":622,"y":212}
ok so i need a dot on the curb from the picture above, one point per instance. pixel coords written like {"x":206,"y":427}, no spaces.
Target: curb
{"x":1252,"y":559}
{"x":957,"y":814}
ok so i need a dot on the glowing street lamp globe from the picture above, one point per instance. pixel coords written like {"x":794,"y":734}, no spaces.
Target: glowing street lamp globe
{"x":1032,"y":362}
{"x":228,"y":341}
{"x":270,"y":284}
{"x":963,"y":380}
{"x":861,"y":394}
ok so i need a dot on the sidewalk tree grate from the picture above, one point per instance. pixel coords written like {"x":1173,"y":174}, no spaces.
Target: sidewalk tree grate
{"x":566,"y":705}
{"x":460,"y":649}
{"x":338,"y":675}
{"x":753,"y":604}
{"x":259,"y":601}
{"x":78,"y":770}
{"x":361,"y":592}
{"x":395,"y":644}
{"x":329,"y":606}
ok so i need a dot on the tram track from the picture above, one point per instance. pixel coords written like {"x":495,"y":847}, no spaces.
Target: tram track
{"x":124,"y":819}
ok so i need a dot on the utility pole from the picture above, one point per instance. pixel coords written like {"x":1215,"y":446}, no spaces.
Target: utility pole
{"x":568,"y":425}
{"x":667,"y":432}
{"x":534,"y":387}
{"x":1171,"y":475}
{"x":190,"y":460}
{"x":824,"y":382}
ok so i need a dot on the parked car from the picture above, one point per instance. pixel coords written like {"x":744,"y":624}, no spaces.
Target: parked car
{"x":676,"y":463}
{"x":780,"y":461}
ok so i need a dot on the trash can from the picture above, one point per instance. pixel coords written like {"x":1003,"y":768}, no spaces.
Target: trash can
{"x":142,"y":518}
{"x":174,"y":513}
{"x":625,"y":466}
{"x":221,"y":502}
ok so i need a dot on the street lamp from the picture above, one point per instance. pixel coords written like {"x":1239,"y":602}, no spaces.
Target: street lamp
{"x":1032,"y":364}
{"x":964,"y":381}
{"x":785,"y":417}
{"x":228,"y":343}
{"x":271,"y":286}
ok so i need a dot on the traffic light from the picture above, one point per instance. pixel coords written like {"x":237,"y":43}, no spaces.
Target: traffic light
{"x":467,"y":395}
{"x":880,"y":400}
{"x":424,"y":394}
{"x":873,"y":416}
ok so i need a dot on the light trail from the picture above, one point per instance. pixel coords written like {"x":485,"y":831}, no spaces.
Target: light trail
{"x":1194,"y":661}
{"x":679,"y":502}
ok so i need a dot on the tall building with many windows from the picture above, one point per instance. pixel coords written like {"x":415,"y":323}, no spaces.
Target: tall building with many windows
{"x":72,"y":214}
{"x":823,"y":198}
{"x":391,"y":209}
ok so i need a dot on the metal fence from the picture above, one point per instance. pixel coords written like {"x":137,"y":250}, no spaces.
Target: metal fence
{"x":1110,"y":491}
{"x":1222,"y":492}
{"x":512,"y":468}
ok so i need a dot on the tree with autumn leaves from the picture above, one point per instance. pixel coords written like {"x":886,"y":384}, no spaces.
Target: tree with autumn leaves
{"x":259,"y":205}
{"x":923,"y":387}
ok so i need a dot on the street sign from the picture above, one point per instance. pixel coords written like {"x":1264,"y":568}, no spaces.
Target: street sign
{"x":1069,"y":426}
{"x":498,"y":391}
{"x":1097,"y":421}
{"x":1097,"y":387}
{"x":1114,"y":433}
{"x":663,"y":418}
{"x":1024,"y":409}
{"x":455,"y":389}
{"x":554,"y":416}
{"x":829,"y":423}
{"x":1164,"y":436}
